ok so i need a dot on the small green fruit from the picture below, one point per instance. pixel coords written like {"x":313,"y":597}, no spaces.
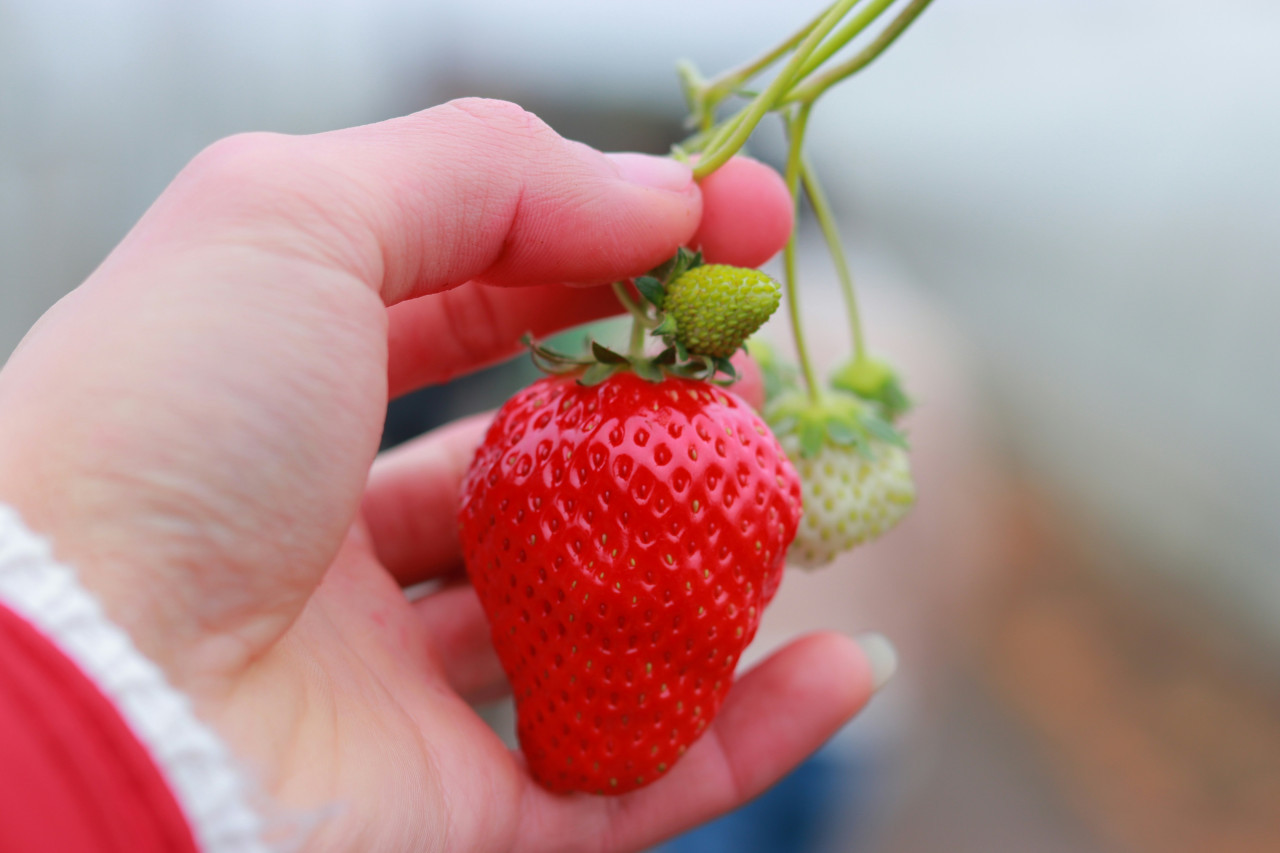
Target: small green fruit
{"x":716,"y":307}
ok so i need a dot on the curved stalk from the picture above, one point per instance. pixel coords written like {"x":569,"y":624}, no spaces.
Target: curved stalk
{"x":810,"y":90}
{"x":737,"y":131}
{"x":725,"y":83}
{"x":844,"y":35}
{"x":640,"y":320}
{"x":795,"y":133}
{"x":826,"y":221}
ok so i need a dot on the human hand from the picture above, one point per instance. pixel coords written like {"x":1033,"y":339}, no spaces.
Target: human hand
{"x":196,"y":425}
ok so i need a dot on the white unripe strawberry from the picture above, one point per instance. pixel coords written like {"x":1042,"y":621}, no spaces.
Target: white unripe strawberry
{"x":850,"y":496}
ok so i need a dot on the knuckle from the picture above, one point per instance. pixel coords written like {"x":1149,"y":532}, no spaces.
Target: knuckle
{"x":276,"y":192}
{"x":502,"y":122}
{"x":239,"y":157}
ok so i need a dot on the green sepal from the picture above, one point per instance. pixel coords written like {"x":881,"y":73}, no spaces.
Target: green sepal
{"x":666,"y":358}
{"x":783,"y":425}
{"x":845,"y":435}
{"x":550,"y":361}
{"x":885,"y":431}
{"x":894,"y":399}
{"x":672,"y":268}
{"x":665,"y":329}
{"x":723,"y":365}
{"x":604,"y":355}
{"x":652,"y":290}
{"x":685,"y":261}
{"x":597,"y":373}
{"x":647,"y":370}
{"x":813,"y":435}
{"x":837,"y":417}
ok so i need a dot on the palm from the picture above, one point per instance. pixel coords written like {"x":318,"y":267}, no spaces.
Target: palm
{"x":355,"y":710}
{"x":362,"y":708}
{"x":205,"y":412}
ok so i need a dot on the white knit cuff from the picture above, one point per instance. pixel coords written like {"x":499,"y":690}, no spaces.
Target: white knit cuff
{"x":198,"y":768}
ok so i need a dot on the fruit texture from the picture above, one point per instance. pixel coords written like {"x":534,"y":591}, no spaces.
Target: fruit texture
{"x":624,"y":539}
{"x":851,"y":495}
{"x":716,"y":307}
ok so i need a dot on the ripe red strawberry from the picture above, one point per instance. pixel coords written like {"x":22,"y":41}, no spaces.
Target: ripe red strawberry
{"x":623,"y":538}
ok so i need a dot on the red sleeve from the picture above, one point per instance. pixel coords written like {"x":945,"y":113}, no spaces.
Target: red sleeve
{"x":72,"y":775}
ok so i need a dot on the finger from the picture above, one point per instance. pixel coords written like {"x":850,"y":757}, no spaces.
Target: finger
{"x":434,"y":339}
{"x":459,"y":634}
{"x":473,"y":190}
{"x":410,"y":504}
{"x":746,"y":218}
{"x":747,"y":214}
{"x":777,"y":715}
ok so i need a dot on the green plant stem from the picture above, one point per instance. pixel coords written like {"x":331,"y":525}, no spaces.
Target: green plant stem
{"x":827,"y":222}
{"x":727,"y":82}
{"x":811,"y":89}
{"x":633,"y":308}
{"x":795,"y":133}
{"x":640,"y":320}
{"x":719,"y":150}
{"x":636,"y":346}
{"x":852,"y":28}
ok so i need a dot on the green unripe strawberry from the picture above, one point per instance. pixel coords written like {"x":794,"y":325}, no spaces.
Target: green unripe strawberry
{"x":716,"y":307}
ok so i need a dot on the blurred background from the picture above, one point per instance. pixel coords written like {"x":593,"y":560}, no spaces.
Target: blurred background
{"x":1065,"y":218}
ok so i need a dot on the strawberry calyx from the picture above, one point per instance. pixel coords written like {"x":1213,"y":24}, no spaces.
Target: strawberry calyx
{"x":873,"y":379}
{"x":602,"y":362}
{"x":835,"y":418}
{"x":703,"y":313}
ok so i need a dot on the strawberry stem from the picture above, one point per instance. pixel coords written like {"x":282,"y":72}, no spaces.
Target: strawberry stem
{"x":636,"y":345}
{"x":641,"y":322}
{"x":831,"y":234}
{"x":811,"y":89}
{"x":796,"y":124}
{"x":736,"y":131}
{"x":844,"y":35}
{"x":635,"y":309}
{"x":727,"y":82}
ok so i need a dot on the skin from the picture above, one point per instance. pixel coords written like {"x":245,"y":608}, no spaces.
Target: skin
{"x":195,"y":428}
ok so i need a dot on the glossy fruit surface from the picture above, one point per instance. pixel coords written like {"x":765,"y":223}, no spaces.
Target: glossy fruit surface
{"x":624,"y":539}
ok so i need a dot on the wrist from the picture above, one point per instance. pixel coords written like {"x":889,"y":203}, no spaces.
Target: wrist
{"x":193,"y":762}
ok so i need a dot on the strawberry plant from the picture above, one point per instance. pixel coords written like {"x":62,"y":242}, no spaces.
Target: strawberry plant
{"x":627,"y":517}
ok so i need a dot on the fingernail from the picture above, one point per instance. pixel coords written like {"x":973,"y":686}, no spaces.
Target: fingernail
{"x":881,"y":655}
{"x":660,"y":173}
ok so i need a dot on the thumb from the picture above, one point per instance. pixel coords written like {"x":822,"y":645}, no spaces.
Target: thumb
{"x":194,"y":426}
{"x":473,"y":190}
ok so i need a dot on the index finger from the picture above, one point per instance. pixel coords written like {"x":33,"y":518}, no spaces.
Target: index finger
{"x":746,"y":219}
